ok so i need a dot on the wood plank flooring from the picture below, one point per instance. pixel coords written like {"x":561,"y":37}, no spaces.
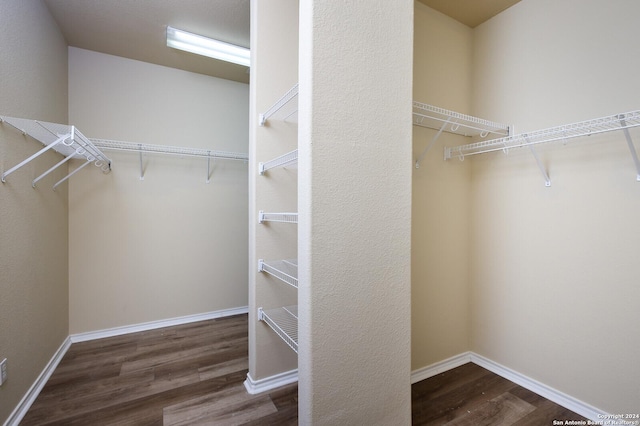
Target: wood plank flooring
{"x":473,"y":396}
{"x":184,"y":375}
{"x":193,"y":374}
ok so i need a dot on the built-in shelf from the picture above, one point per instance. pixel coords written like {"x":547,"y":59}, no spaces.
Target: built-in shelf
{"x":284,"y":321}
{"x":62,"y":138}
{"x":284,"y":270}
{"x":285,"y":108}
{"x":277,"y":217}
{"x":289,"y":159}
{"x":623,"y":121}
{"x":444,"y":120}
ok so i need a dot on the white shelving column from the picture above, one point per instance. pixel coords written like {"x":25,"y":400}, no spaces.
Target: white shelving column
{"x":273,"y":187}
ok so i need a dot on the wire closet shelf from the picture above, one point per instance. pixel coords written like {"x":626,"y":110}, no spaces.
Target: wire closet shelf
{"x":284,"y":321}
{"x":277,"y":217}
{"x":284,"y":270}
{"x":583,"y":128}
{"x":62,"y":138}
{"x":444,"y":120}
{"x":180,"y":151}
{"x":169,"y":150}
{"x":437,"y":118}
{"x":285,"y":160}
{"x":284,"y":108}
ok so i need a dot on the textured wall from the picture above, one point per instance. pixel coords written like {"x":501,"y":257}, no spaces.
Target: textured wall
{"x":355,"y":212}
{"x":554,"y":271}
{"x":33,"y":229}
{"x":170,"y":245}
{"x":440,"y":209}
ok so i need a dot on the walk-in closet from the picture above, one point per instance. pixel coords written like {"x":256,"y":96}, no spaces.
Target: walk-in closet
{"x":378,"y":213}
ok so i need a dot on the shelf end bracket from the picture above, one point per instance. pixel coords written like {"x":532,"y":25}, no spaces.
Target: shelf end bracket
{"x":547,"y":180}
{"x":433,"y":140}
{"x":632,"y":148}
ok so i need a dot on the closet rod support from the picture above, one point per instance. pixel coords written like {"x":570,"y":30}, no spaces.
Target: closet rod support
{"x":34,"y":156}
{"x":141,"y":168}
{"x":433,"y":140}
{"x":60,"y":163}
{"x":86,"y":163}
{"x":208,"y":167}
{"x":632,"y":148}
{"x":547,"y":181}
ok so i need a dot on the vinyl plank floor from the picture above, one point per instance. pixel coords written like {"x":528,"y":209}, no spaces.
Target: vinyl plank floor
{"x":193,"y":374}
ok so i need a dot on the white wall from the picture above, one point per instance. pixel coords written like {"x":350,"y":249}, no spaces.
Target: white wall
{"x":554,"y":271}
{"x":440,"y":198}
{"x":34,"y":307}
{"x":169,"y":245}
{"x":355,"y":212}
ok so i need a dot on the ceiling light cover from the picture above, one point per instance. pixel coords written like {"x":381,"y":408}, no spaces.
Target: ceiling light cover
{"x":205,"y":46}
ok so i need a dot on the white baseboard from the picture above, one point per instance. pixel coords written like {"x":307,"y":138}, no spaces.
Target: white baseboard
{"x":541,"y":389}
{"x":440,"y":367}
{"x":272,"y":382}
{"x":29,"y":398}
{"x":117,"y":331}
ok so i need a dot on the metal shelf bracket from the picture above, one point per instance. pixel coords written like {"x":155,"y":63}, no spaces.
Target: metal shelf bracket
{"x":632,"y":149}
{"x":547,"y":181}
{"x":61,"y":139}
{"x":433,"y":141}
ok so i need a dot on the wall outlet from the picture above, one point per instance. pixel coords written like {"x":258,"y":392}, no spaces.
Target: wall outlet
{"x":3,"y":371}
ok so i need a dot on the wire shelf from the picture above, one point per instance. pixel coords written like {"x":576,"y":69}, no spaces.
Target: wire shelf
{"x":284,"y":321}
{"x":285,"y":108}
{"x":169,"y":150}
{"x":277,"y":217}
{"x":437,"y":118}
{"x":288,"y":159}
{"x":583,"y":128}
{"x":75,"y":143}
{"x":284,"y":270}
{"x":62,"y":138}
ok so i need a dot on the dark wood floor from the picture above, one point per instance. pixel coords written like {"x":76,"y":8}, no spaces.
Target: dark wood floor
{"x":193,"y":375}
{"x":184,"y":375}
{"x":473,"y":396}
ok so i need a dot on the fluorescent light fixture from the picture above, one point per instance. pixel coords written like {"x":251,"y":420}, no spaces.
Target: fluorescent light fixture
{"x":205,"y":46}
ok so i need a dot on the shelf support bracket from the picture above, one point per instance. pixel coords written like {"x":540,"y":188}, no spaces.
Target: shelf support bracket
{"x":632,"y":148}
{"x":433,"y":140}
{"x":86,"y":163}
{"x":547,"y":181}
{"x":60,"y":163}
{"x":34,"y":156}
{"x":208,"y":167}
{"x":141,"y":168}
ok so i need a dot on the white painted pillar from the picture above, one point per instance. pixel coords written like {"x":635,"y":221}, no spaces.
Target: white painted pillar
{"x":354,"y":203}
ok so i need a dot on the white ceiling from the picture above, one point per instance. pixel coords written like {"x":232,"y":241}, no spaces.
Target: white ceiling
{"x":470,"y":12}
{"x":135,"y":29}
